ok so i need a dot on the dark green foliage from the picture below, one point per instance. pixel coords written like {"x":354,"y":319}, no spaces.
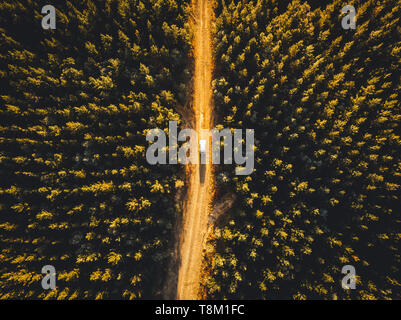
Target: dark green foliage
{"x":76,"y":191}
{"x":325,"y":106}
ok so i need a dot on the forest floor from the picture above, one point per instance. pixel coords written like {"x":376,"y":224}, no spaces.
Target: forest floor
{"x":201,"y":182}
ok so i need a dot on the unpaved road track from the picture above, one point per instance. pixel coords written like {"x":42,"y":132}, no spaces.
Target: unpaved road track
{"x":197,"y":206}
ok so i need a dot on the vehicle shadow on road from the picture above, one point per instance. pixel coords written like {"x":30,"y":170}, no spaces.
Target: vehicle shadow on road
{"x":202,"y":170}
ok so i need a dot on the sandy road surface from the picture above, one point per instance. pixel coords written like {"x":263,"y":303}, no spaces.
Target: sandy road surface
{"x":196,"y":208}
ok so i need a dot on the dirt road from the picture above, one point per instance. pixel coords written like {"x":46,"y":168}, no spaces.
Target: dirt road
{"x":196,"y":208}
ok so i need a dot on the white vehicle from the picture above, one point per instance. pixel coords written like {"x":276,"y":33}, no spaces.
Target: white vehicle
{"x":202,"y":151}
